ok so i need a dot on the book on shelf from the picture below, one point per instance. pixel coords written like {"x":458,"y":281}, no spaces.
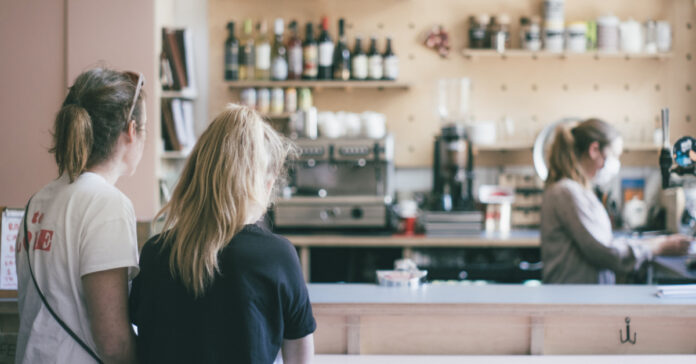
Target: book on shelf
{"x":177,"y":125}
{"x":176,"y":61}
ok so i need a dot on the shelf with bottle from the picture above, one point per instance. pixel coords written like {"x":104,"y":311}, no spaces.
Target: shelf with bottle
{"x":254,"y":60}
{"x":548,"y":35}
{"x":471,"y":54}
{"x":317,"y":84}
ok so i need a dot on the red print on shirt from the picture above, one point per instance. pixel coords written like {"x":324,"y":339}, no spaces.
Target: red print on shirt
{"x":43,"y":242}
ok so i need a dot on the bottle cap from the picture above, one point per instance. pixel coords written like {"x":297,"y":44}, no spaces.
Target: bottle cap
{"x":484,"y":19}
{"x":504,"y":19}
{"x":279,"y":26}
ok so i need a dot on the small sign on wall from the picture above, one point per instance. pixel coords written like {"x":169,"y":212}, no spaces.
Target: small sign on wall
{"x":11,"y":221}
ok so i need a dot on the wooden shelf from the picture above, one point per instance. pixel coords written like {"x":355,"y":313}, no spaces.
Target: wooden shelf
{"x":281,"y":116}
{"x":184,"y":94}
{"x":519,"y":53}
{"x":502,"y":147}
{"x":516,"y":147}
{"x":346,"y":85}
{"x":641,"y":147}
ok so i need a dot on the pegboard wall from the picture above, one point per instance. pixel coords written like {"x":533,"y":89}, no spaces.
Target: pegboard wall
{"x":532,"y":92}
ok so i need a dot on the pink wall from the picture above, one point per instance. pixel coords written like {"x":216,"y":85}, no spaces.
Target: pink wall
{"x":32,"y":70}
{"x":45,"y":45}
{"x":121,"y":35}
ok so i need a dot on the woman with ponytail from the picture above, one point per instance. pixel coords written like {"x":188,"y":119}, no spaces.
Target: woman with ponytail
{"x":577,"y":243}
{"x":216,"y":287}
{"x":80,"y":250}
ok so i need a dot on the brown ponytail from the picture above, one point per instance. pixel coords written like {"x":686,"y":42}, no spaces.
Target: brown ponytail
{"x":571,"y":143}
{"x":563,"y":160}
{"x":92,"y":118}
{"x":73,"y":140}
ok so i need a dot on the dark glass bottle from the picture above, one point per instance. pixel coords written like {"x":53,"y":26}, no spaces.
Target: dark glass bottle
{"x":375,"y":68}
{"x":341,"y":61}
{"x":358,"y":62}
{"x":279,"y":54}
{"x":231,"y":55}
{"x":391,"y":62}
{"x":326,"y":50}
{"x":294,"y":53}
{"x":309,"y":51}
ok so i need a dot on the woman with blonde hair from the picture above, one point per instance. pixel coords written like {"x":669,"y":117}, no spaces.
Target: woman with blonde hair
{"x":577,"y":242}
{"x":215,"y":287}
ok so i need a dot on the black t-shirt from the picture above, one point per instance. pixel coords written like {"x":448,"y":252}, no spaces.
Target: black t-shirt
{"x":258,"y":299}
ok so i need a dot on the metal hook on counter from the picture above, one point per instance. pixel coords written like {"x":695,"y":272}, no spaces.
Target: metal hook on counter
{"x":628,"y":333}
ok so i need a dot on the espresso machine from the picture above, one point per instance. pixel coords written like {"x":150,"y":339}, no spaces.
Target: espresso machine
{"x":338,"y":184}
{"x":453,"y":160}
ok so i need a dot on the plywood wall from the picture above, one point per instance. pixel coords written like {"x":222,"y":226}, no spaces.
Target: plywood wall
{"x":628,"y":93}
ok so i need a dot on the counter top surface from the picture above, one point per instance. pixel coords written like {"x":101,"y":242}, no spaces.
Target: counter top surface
{"x":492,"y":294}
{"x":515,"y":238}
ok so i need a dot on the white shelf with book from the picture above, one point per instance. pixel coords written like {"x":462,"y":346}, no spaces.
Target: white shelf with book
{"x":177,"y":103}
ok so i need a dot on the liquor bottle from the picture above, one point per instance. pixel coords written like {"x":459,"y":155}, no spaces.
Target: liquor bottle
{"x":294,"y":53}
{"x":231,"y":54}
{"x":310,"y":53}
{"x":326,"y":48}
{"x":391,"y":63}
{"x":279,"y":61}
{"x":359,"y":61}
{"x":247,"y":62}
{"x":374,"y":62}
{"x":263,"y":52}
{"x":341,"y":58}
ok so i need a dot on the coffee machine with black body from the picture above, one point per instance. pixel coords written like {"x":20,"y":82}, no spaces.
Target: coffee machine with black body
{"x":453,"y":158}
{"x":452,"y":170}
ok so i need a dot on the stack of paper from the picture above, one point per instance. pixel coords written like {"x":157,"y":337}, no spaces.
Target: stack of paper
{"x":677,"y":291}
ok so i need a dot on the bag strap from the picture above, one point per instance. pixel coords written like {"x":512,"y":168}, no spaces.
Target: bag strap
{"x":43,"y":298}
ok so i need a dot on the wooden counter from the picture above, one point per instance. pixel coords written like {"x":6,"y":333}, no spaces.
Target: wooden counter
{"x":514,"y":239}
{"x":500,"y":320}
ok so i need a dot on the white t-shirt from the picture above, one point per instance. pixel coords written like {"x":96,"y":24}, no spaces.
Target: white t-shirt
{"x":75,"y":229}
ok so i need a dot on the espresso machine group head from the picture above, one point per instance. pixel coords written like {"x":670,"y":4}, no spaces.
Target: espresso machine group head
{"x":453,"y":170}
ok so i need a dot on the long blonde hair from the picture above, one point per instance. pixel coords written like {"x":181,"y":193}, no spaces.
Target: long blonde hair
{"x":571,"y":142}
{"x":223,"y":184}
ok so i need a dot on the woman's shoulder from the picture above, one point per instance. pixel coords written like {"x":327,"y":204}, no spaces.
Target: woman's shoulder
{"x":565,"y":187}
{"x":254,"y":241}
{"x":261,"y":234}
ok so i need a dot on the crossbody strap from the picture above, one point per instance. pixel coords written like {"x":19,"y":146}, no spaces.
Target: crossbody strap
{"x":43,"y":298}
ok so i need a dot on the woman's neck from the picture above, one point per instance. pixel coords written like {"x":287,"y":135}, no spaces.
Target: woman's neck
{"x":110,"y":171}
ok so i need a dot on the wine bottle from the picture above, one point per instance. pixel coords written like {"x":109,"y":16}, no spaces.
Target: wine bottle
{"x":341,"y":61}
{"x":374,"y":59}
{"x":247,"y":62}
{"x":279,"y":61}
{"x":309,"y":50}
{"x":294,"y":48}
{"x":326,"y":48}
{"x":263,"y":52}
{"x":391,"y":62}
{"x":359,"y":61}
{"x":231,"y":54}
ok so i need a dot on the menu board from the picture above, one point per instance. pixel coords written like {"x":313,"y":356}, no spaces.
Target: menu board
{"x":11,"y":222}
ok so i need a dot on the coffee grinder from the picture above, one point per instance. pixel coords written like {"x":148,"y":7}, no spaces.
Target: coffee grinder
{"x":453,"y":158}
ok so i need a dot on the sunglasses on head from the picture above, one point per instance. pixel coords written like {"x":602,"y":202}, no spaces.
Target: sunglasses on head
{"x":139,"y":80}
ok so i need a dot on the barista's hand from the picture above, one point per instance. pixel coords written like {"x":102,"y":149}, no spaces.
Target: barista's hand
{"x":672,"y":245}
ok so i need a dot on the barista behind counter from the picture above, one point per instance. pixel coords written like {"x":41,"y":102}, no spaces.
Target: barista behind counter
{"x":577,"y":244}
